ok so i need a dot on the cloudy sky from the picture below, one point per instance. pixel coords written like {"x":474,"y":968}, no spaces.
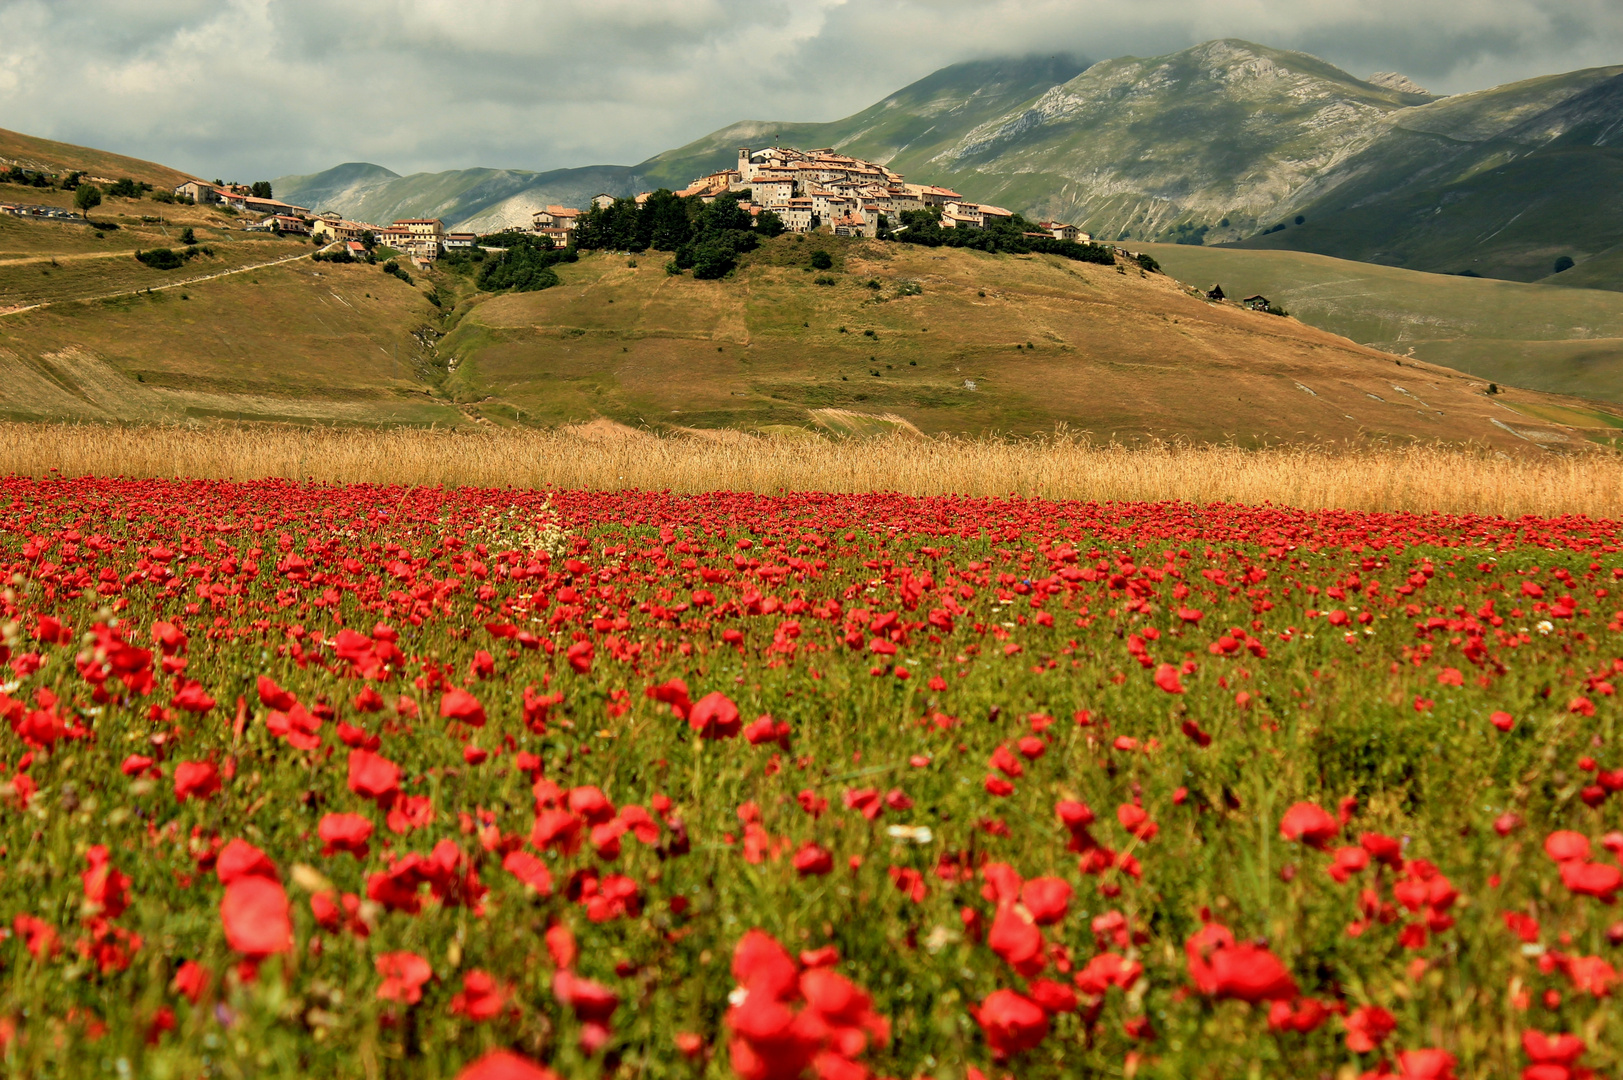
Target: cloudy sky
{"x":247,"y":89}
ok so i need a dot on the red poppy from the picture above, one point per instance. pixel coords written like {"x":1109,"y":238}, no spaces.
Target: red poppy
{"x":481,"y":997}
{"x":505,"y":1065}
{"x":714,"y":716}
{"x":404,"y":976}
{"x":371,"y":776}
{"x":345,"y":832}
{"x":459,"y":705}
{"x":1368,"y":1027}
{"x":1017,"y":940}
{"x":1047,"y":898}
{"x":196,"y":780}
{"x":1428,"y":1064}
{"x":1309,"y":823}
{"x":254,"y":912}
{"x":1011,"y":1022}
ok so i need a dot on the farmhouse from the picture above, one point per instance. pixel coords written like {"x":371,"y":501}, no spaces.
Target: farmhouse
{"x":1257,"y":302}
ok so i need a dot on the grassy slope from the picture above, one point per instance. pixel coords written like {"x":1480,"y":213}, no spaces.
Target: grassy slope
{"x":1563,"y":340}
{"x":295,"y":342}
{"x":1115,"y":354}
{"x":32,"y":152}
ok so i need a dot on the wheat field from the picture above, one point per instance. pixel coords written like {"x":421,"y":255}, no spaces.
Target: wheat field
{"x":603,"y":456}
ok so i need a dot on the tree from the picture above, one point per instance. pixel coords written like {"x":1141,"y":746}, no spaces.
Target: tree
{"x":87,"y":198}
{"x":669,"y":226}
{"x":821,"y":260}
{"x":769,"y":224}
{"x":1564,"y":263}
{"x":261,"y":189}
{"x":188,"y":237}
{"x":368,"y":240}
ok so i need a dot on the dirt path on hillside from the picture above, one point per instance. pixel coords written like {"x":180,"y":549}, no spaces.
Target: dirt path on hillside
{"x":156,"y":288}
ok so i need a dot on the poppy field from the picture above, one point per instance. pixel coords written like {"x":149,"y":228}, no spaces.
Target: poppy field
{"x":308,"y":780}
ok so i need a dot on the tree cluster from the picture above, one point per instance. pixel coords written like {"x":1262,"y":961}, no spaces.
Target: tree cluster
{"x":261,"y":189}
{"x":705,"y":239}
{"x":128,"y":188}
{"x":525,"y":265}
{"x":1007,"y":237}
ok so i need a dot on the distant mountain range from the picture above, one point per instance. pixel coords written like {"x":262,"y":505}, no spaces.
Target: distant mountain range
{"x":1225,"y":143}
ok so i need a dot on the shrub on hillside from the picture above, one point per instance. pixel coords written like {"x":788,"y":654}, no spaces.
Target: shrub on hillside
{"x":161,"y":259}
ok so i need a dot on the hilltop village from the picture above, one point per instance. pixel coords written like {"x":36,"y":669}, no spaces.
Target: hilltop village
{"x":807,"y":191}
{"x":819,"y":190}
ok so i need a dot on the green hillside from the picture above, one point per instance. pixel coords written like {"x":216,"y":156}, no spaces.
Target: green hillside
{"x":1563,"y":340}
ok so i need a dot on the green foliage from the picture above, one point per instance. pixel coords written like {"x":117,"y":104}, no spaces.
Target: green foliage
{"x":822,"y":260}
{"x":393,"y":269}
{"x":261,"y":189}
{"x":923,"y":227}
{"x":1189,"y":233}
{"x":1148,"y":262}
{"x":525,"y":266}
{"x":16,"y":174}
{"x":1563,"y":264}
{"x":87,"y":198}
{"x":163,"y":258}
{"x":188,"y":235}
{"x":128,"y":189}
{"x":769,"y":224}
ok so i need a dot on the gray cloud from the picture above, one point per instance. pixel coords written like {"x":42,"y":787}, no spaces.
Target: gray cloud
{"x":255,"y":88}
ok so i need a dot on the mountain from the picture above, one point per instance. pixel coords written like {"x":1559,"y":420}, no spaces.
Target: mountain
{"x":1227,"y":142}
{"x":484,"y":200}
{"x":905,"y":128}
{"x":1232,"y":142}
{"x":904,"y":131}
{"x":1500,"y":183}
{"x":1130,"y":147}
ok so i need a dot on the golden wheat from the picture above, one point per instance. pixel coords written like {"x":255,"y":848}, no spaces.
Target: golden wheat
{"x":606,"y":457}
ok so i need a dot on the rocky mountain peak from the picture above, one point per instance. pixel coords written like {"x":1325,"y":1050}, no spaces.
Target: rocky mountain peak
{"x":1391,"y":80}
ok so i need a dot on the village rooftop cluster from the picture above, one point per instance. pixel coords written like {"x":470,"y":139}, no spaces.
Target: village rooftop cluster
{"x":819,"y":190}
{"x":421,"y":238}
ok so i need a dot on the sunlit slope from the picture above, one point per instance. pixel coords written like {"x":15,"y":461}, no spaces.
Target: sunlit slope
{"x":992,"y":344}
{"x":34,"y":154}
{"x":1563,"y":340}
